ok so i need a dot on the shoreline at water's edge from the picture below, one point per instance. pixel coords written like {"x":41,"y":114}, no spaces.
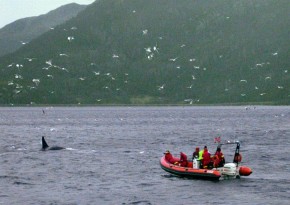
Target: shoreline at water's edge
{"x":147,"y":105}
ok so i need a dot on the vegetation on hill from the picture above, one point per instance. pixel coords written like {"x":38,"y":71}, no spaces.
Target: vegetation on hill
{"x":22,"y":31}
{"x":157,"y":52}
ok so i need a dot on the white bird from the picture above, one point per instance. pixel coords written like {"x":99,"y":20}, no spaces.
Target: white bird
{"x":19,"y":66}
{"x":155,"y":48}
{"x":115,"y":56}
{"x":193,"y":77}
{"x":173,"y":59}
{"x":243,"y":81}
{"x":46,"y":68}
{"x":280,"y":87}
{"x":50,"y":76}
{"x":96,"y":73}
{"x":10,"y":65}
{"x":274,"y":54}
{"x":70,"y":38}
{"x":63,"y":54}
{"x":148,"y":50}
{"x":17,"y":91}
{"x":150,"y":56}
{"x":260,"y":64}
{"x":190,"y":86}
{"x":49,"y":62}
{"x":17,"y":76}
{"x":73,"y":28}
{"x":243,"y":94}
{"x":196,"y":67}
{"x":262,"y":94}
{"x":82,"y":78}
{"x":145,"y":32}
{"x":192,"y":59}
{"x":268,"y":78}
{"x":30,"y":59}
{"x":183,"y":45}
{"x":189,"y":100}
{"x":161,"y":87}
{"x":10,"y":82}
{"x":64,"y":69}
{"x":36,"y":81}
{"x":19,"y":86}
{"x":256,"y":88}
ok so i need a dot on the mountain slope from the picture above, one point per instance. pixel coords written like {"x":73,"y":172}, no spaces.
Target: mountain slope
{"x":18,"y":33}
{"x":157,"y":52}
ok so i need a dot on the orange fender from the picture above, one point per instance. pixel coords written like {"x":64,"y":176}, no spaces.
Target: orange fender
{"x":245,"y":171}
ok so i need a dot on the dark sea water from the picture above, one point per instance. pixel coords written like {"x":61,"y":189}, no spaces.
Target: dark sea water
{"x":113,"y":153}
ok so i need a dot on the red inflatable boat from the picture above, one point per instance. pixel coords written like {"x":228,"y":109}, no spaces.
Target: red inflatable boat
{"x":191,"y":170}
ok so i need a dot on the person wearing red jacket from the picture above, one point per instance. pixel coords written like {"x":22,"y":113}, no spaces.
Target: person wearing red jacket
{"x":206,"y":158}
{"x":168,"y":157}
{"x":183,"y":160}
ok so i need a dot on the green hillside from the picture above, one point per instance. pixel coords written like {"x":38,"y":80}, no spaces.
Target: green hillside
{"x":157,"y":52}
{"x":22,"y":31}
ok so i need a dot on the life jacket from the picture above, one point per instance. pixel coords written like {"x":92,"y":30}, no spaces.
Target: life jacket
{"x":200,"y":154}
{"x":218,"y":159}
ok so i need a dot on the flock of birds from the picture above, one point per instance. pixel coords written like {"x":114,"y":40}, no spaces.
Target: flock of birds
{"x":150,"y":53}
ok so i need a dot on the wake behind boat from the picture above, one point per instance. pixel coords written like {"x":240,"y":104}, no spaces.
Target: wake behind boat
{"x":194,"y":169}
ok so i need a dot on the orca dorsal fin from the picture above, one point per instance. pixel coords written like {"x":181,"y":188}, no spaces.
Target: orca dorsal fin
{"x":44,"y":144}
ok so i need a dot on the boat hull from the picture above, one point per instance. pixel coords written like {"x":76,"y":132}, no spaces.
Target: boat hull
{"x":189,"y":172}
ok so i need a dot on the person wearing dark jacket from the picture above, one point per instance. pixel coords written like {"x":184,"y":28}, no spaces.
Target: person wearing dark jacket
{"x":195,"y":154}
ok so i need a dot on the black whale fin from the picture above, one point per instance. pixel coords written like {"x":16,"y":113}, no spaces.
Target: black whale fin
{"x":44,"y":144}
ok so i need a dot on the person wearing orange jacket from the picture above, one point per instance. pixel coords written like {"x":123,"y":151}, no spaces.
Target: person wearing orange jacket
{"x":218,"y":159}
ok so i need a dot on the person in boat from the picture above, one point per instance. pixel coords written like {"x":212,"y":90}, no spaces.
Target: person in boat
{"x":237,"y":158}
{"x":218,"y":158}
{"x":169,"y":158}
{"x":206,"y":160}
{"x":200,"y":154}
{"x":183,"y":160}
{"x":195,"y":154}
